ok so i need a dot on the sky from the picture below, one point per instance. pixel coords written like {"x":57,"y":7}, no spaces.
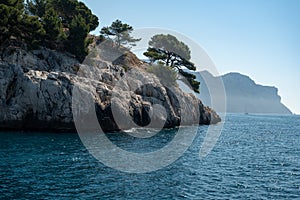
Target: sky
{"x":260,"y":39}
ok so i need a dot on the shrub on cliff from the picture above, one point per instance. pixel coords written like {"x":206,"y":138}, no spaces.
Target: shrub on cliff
{"x":166,"y":74}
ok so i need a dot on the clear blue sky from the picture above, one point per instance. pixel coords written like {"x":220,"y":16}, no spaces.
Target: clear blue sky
{"x":259,"y":38}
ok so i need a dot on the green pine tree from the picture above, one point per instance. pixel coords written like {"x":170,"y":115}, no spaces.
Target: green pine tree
{"x":53,"y":27}
{"x":57,"y":24}
{"x":11,"y":13}
{"x":120,"y":33}
{"x":77,"y":43}
{"x":36,"y":7}
{"x":168,"y":50}
{"x":33,"y":32}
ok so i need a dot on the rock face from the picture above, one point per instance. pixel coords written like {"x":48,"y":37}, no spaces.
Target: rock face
{"x":243,"y":94}
{"x":37,"y":94}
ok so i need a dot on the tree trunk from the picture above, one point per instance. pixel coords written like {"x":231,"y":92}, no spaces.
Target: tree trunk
{"x":168,"y":59}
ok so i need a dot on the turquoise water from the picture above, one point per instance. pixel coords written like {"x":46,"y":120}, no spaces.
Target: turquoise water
{"x":256,"y":157}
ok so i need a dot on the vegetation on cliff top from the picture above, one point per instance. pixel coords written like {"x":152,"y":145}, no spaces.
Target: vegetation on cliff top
{"x":121,"y":33}
{"x":169,"y":51}
{"x":55,"y":24}
{"x":64,"y":25}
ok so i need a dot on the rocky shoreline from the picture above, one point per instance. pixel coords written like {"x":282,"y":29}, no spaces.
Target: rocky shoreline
{"x":36,"y":90}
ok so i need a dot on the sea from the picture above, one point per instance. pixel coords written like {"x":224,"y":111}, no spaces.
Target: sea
{"x":255,"y":157}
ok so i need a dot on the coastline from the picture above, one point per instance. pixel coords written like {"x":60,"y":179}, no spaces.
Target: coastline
{"x":37,"y":93}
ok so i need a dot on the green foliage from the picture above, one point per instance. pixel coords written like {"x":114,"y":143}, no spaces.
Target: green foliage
{"x":166,"y":74}
{"x":11,"y":14}
{"x":168,"y":50}
{"x":120,"y":32}
{"x":4,"y":22}
{"x":154,"y":55}
{"x":190,"y":79}
{"x":57,"y":24}
{"x":36,"y":7}
{"x":17,"y":4}
{"x":65,"y":9}
{"x":67,"y":24}
{"x":68,"y":9}
{"x":53,"y":28}
{"x":91,"y":20}
{"x":33,"y":32}
{"x":77,"y":42}
{"x":18,"y":25}
{"x":170,"y":43}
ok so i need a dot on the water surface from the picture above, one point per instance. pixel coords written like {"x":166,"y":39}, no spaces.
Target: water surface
{"x":256,"y":157}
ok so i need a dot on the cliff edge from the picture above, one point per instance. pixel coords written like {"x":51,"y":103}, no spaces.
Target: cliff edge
{"x":36,"y":92}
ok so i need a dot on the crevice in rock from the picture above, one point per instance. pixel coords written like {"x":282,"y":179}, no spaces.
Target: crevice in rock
{"x":11,"y":90}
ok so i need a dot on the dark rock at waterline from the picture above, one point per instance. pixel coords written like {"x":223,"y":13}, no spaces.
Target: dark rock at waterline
{"x":37,"y":93}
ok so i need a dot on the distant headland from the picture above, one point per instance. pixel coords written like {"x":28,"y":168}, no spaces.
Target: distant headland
{"x":243,"y":94}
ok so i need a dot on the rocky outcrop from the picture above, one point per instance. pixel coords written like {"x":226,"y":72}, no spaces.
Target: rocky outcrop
{"x":37,"y":93}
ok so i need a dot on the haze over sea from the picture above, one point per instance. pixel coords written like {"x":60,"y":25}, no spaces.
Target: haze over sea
{"x":256,"y":157}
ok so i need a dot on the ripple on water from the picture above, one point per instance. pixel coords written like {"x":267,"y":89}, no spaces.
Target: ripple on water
{"x":256,"y":157}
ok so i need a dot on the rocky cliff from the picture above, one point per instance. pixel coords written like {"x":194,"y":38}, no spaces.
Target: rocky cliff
{"x":243,"y":95}
{"x":37,"y":87}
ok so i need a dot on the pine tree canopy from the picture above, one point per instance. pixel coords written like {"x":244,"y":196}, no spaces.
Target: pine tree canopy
{"x":168,"y":50}
{"x":57,"y":24}
{"x":120,"y":33}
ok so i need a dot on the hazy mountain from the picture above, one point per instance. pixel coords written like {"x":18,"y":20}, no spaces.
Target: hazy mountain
{"x":243,"y":95}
